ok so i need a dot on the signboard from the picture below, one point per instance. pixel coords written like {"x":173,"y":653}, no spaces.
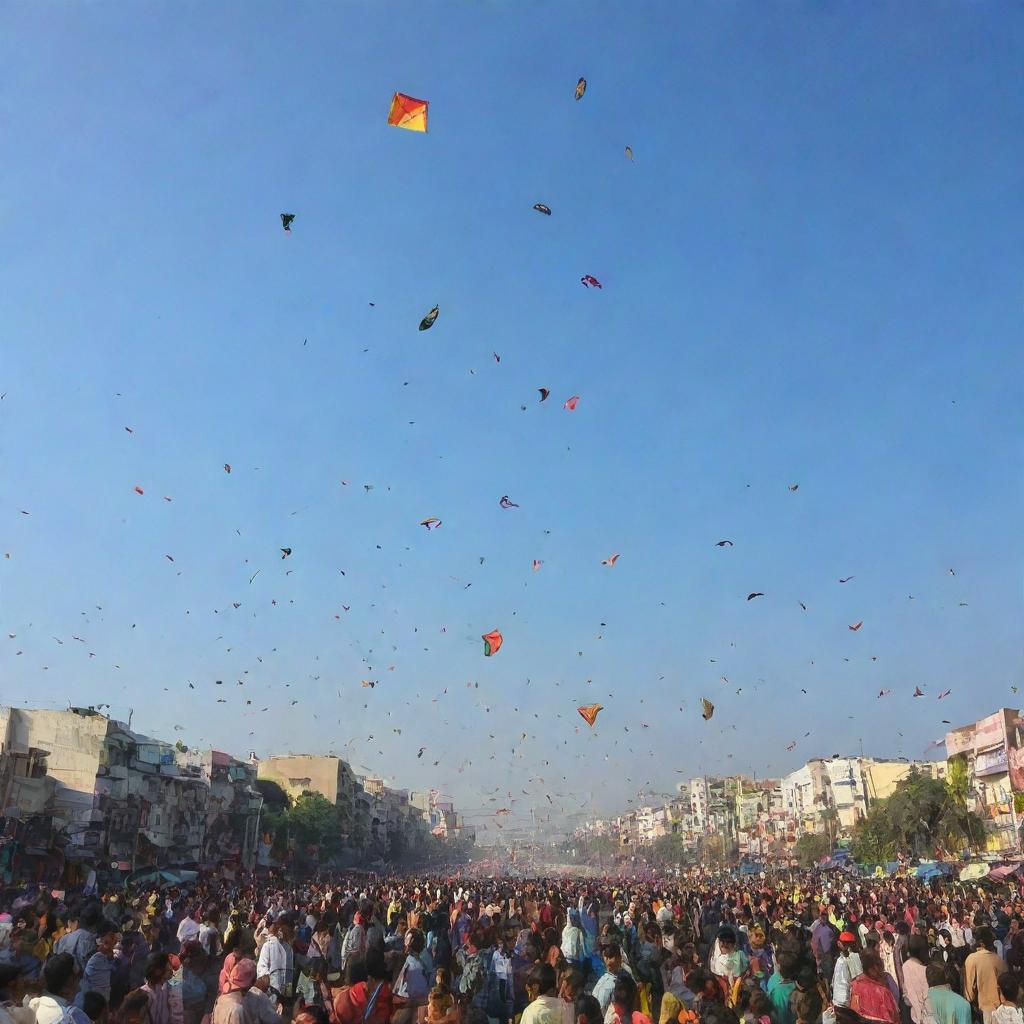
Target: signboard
{"x":991,"y":762}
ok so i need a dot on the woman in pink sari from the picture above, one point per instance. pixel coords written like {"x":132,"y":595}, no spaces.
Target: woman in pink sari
{"x":869,"y":993}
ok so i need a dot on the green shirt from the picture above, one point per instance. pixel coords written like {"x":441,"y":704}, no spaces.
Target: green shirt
{"x":779,"y":997}
{"x":947,"y":1007}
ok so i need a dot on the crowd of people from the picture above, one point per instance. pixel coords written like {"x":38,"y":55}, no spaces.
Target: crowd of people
{"x":809,"y":949}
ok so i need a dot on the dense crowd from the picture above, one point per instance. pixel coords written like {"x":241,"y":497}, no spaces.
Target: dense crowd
{"x":443,"y":950}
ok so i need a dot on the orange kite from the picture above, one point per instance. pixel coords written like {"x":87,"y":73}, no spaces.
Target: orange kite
{"x":407,"y":112}
{"x":589,"y":713}
{"x":492,"y":643}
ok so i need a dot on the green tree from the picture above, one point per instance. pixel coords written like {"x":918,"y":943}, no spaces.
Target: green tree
{"x":313,"y":820}
{"x":669,"y":849}
{"x":810,"y":849}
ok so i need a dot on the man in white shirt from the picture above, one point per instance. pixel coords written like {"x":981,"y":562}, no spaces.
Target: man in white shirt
{"x":277,"y":956}
{"x":848,"y":967}
{"x":188,"y":930}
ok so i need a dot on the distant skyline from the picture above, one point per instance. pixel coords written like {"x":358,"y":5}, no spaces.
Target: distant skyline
{"x":811,"y":280}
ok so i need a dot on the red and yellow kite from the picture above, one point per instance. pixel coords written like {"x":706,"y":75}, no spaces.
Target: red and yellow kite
{"x":589,"y":712}
{"x":407,"y":112}
{"x":492,"y":642}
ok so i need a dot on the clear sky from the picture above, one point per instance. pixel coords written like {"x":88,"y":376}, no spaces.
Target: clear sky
{"x":812,"y":276}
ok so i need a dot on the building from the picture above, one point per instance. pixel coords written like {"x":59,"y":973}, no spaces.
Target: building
{"x":991,"y":753}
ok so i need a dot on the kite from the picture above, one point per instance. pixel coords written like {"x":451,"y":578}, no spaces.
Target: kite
{"x":369,"y":683}
{"x":918,"y":692}
{"x":757,"y":593}
{"x":506,"y":502}
{"x":537,"y":563}
{"x":433,"y":521}
{"x":571,"y":403}
{"x":286,"y":221}
{"x":847,"y":579}
{"x":855,"y":626}
{"x":541,"y":208}
{"x":407,"y":112}
{"x":629,"y":152}
{"x":139,"y":490}
{"x":945,"y":693}
{"x":589,"y":281}
{"x":285,"y":552}
{"x":724,"y":544}
{"x":794,"y":487}
{"x":227,"y":467}
{"x":589,"y":713}
{"x":791,"y":746}
{"x":544,"y":392}
{"x":428,"y":321}
{"x":884,"y":693}
{"x":707,"y":709}
{"x":492,"y":642}
{"x":610,"y":560}
{"x":581,"y":88}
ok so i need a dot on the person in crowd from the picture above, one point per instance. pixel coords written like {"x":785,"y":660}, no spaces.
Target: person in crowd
{"x":945,"y":1005}
{"x":847,"y":967}
{"x":544,"y":1005}
{"x":981,"y":974}
{"x":870,"y":995}
{"x":1008,"y":1010}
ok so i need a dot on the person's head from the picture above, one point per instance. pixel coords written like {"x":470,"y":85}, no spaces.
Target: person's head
{"x":570,"y":985}
{"x":588,"y":1010}
{"x":355,"y":970}
{"x":727,"y":940}
{"x":611,"y":953}
{"x":316,"y":968}
{"x":242,"y":976}
{"x":415,"y":941}
{"x":95,"y":1006}
{"x":193,"y":956}
{"x":376,"y":965}
{"x":286,"y":927}
{"x":311,"y":1014}
{"x":158,"y":969}
{"x":134,"y":1008}
{"x":872,"y":964}
{"x":540,"y":981}
{"x":985,"y":938}
{"x":624,"y":996}
{"x":1009,"y":987}
{"x":935,"y":975}
{"x":917,"y":947}
{"x":847,"y":943}
{"x":787,"y":963}
{"x":60,"y":975}
{"x":808,"y":1006}
{"x":107,"y":934}
{"x":806,"y":977}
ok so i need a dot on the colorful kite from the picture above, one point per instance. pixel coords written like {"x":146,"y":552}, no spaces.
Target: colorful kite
{"x":428,"y":321}
{"x":589,"y":713}
{"x":407,"y":112}
{"x":541,"y":208}
{"x":285,"y":552}
{"x":571,"y":403}
{"x":537,"y":563}
{"x":507,"y":502}
{"x":589,"y":281}
{"x":492,"y":643}
{"x":544,"y":392}
{"x":707,"y":709}
{"x":629,"y":152}
{"x":139,"y":490}
{"x":918,"y":692}
{"x":286,"y":221}
{"x":432,"y":523}
{"x":855,"y":626}
{"x":610,"y":560}
{"x":581,"y":88}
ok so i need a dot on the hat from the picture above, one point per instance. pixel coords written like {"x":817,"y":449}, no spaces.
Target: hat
{"x":242,"y":976}
{"x":847,"y":937}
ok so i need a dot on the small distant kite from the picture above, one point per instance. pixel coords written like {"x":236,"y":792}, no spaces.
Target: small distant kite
{"x":286,"y":221}
{"x":945,"y":693}
{"x":794,"y":487}
{"x":537,"y":563}
{"x":581,"y":88}
{"x":846,"y":579}
{"x":432,"y":523}
{"x":884,"y":693}
{"x":707,"y":709}
{"x":724,"y":544}
{"x":589,"y":713}
{"x":369,"y":683}
{"x":571,"y":403}
{"x":507,"y":502}
{"x":544,"y":392}
{"x":492,"y":643}
{"x":139,"y":490}
{"x":610,"y":560}
{"x":285,"y":552}
{"x":756,"y":593}
{"x":918,"y":692}
{"x":407,"y":112}
{"x":629,"y":152}
{"x":428,"y":321}
{"x":855,"y":626}
{"x":541,"y":208}
{"x":791,"y":746}
{"x":589,"y":281}
{"x":227,"y":467}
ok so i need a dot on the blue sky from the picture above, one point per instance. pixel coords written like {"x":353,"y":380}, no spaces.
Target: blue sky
{"x":811,"y":276}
